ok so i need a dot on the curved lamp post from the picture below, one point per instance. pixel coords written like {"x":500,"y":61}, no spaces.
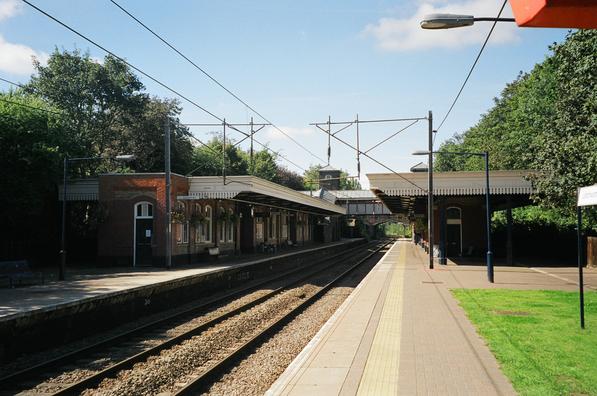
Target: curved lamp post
{"x":67,"y":161}
{"x":485,"y":155}
{"x":450,"y":21}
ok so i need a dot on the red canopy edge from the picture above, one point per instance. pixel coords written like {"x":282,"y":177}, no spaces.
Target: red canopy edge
{"x":580,"y":14}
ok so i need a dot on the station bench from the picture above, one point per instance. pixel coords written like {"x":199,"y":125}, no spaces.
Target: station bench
{"x":18,"y":271}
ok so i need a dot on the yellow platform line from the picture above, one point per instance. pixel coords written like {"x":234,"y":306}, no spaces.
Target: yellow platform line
{"x":380,"y":376}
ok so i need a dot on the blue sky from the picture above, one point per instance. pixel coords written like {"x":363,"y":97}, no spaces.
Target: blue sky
{"x":297,"y":62}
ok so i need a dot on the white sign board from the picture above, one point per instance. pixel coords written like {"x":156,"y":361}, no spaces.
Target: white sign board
{"x":587,"y":196}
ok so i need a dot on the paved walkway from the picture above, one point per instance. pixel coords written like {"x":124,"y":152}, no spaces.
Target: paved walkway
{"x":89,"y":284}
{"x":402,"y":332}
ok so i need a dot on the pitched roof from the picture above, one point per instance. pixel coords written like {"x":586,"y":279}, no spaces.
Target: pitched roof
{"x":420,"y":167}
{"x":328,"y":168}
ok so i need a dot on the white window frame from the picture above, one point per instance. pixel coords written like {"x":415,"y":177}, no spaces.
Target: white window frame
{"x":230,"y":231}
{"x":198,"y":227}
{"x":222,"y":226}
{"x":145,"y":205}
{"x":207,"y":226}
{"x":185,"y":233}
{"x":284,"y":221}
{"x":144,"y":210}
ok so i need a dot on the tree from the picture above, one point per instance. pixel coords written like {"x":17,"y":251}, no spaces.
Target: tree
{"x":288,"y":178}
{"x":567,"y":153}
{"x":108,"y":112}
{"x":144,"y":137}
{"x":32,"y":143}
{"x":264,"y":165}
{"x":543,"y":121}
{"x":207,"y":159}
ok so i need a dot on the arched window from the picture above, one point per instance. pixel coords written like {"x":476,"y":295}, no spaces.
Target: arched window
{"x":230,"y":225}
{"x":222,"y":224}
{"x":143,"y":210}
{"x":207,"y":225}
{"x":454,"y":215}
{"x":182,"y":223}
{"x":198,"y":223}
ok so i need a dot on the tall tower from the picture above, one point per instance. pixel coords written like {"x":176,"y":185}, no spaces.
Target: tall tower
{"x":329,"y":178}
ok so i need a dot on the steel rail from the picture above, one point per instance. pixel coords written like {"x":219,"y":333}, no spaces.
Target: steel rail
{"x":27,"y":373}
{"x":202,"y":380}
{"x":110,"y":371}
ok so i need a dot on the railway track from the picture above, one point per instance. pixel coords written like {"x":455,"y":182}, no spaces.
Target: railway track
{"x":203,"y":380}
{"x":105,"y":359}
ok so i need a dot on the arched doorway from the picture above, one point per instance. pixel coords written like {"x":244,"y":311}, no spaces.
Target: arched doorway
{"x":454,"y":231}
{"x":143,"y":231}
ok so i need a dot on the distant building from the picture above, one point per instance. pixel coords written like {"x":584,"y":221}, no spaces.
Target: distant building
{"x":329,"y":178}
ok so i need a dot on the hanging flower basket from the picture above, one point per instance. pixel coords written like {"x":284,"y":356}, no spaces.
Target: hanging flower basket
{"x":178,"y":216}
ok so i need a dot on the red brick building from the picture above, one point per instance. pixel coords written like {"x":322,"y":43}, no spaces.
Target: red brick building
{"x":209,"y":218}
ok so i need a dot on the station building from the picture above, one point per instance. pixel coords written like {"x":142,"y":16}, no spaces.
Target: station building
{"x":459,"y":208}
{"x":211,"y":216}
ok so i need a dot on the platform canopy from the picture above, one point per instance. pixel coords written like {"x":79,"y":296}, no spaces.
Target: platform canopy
{"x":254,"y":190}
{"x":400,"y":191}
{"x":80,"y":190}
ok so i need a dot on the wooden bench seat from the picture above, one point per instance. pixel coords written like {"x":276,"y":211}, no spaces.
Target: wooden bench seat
{"x":18,"y":272}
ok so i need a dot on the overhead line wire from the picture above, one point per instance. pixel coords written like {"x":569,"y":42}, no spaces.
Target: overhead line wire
{"x":30,"y":107}
{"x":472,"y":68}
{"x":141,"y":71}
{"x":377,"y":162}
{"x":172,"y":47}
{"x":12,"y":82}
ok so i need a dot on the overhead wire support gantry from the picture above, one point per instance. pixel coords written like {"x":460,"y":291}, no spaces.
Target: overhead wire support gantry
{"x":327,"y":128}
{"x":249,"y":135}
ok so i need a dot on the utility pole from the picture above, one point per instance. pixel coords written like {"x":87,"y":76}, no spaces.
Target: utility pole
{"x":358,"y":150}
{"x":488,"y":220}
{"x":224,"y":152}
{"x":62,"y":270}
{"x":251,"y":166}
{"x":430,"y":192}
{"x":168,"y":199}
{"x":329,"y":138}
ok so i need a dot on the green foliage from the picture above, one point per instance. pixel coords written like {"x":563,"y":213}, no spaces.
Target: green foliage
{"x":545,"y":121}
{"x":207,"y":160}
{"x":31,"y":142}
{"x":536,"y":216}
{"x":107,"y":113}
{"x":264,"y":165}
{"x":536,"y":338}
{"x":288,"y":178}
{"x":567,"y":157}
{"x":397,"y":230}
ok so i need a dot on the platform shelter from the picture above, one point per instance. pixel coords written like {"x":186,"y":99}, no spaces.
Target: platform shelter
{"x":459,"y":205}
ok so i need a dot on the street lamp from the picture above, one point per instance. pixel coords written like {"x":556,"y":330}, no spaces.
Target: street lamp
{"x":450,"y":21}
{"x":485,"y":155}
{"x":123,"y":157}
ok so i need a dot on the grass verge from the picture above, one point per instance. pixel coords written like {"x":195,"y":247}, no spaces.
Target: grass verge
{"x":536,"y":337}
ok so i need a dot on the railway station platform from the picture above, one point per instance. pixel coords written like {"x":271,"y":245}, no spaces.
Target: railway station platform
{"x":90,"y":300}
{"x":402,"y":332}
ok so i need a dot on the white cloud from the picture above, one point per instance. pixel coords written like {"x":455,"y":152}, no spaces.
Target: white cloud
{"x":9,"y":8}
{"x":393,"y":34}
{"x":18,"y":58}
{"x":296,"y":132}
